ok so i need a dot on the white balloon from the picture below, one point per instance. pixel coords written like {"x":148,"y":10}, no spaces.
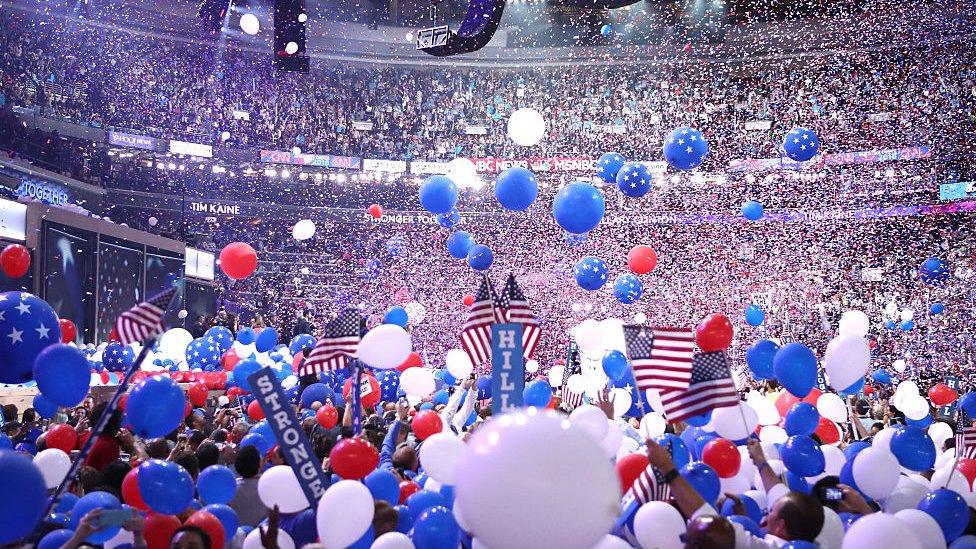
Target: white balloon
{"x":622,"y":401}
{"x":832,"y":407}
{"x":182,"y":314}
{"x":882,"y":440}
{"x":640,"y":318}
{"x":854,"y":323}
{"x":611,"y":542}
{"x":659,"y":525}
{"x":904,"y":498}
{"x":907,"y":314}
{"x":303,"y":230}
{"x":439,"y":456}
{"x":384,"y":347}
{"x":880,"y":530}
{"x":458,"y":363}
{"x":735,"y":485}
{"x":587,"y":335}
{"x":773,"y":434}
{"x":417,"y":381}
{"x":652,"y":425}
{"x":611,"y":442}
{"x":734,"y":422}
{"x":556,"y":376}
{"x":515,"y":473}
{"x":612,"y":335}
{"x":946,"y":478}
{"x":832,"y":532}
{"x":173,"y":343}
{"x":876,"y":472}
{"x":392,"y":540}
{"x":765,"y":408}
{"x":53,"y":464}
{"x":846,"y":360}
{"x":833,"y":459}
{"x":653,"y":397}
{"x":463,"y":173}
{"x":940,"y":432}
{"x":926,"y":529}
{"x":153,"y":221}
{"x":344,"y":513}
{"x":531,"y":366}
{"x":914,"y":407}
{"x":908,"y":387}
{"x":250,"y":24}
{"x":576,"y":383}
{"x":279,"y":486}
{"x":253,"y":540}
{"x":526,"y":127}
{"x":459,"y":516}
{"x":898,"y":365}
{"x":591,"y":420}
{"x":291,"y":48}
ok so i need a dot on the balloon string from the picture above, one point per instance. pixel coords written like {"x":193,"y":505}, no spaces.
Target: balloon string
{"x":357,"y":415}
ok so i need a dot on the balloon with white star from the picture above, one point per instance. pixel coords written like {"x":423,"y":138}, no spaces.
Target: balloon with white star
{"x":627,"y":288}
{"x":450,"y":219}
{"x":634,"y":179}
{"x":591,"y":273}
{"x":203,"y":353}
{"x":801,"y":144}
{"x":117,"y":357}
{"x":609,"y":165}
{"x":221,"y":336}
{"x":27,"y":325}
{"x":685,"y":148}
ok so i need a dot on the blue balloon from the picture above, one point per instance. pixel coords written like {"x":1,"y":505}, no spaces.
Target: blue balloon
{"x":480,"y":257}
{"x":753,"y":512}
{"x":627,"y":288}
{"x":799,"y":544}
{"x":881,"y":376}
{"x":55,"y":539}
{"x":932,"y":271}
{"x":245,"y":336}
{"x":155,"y":407}
{"x":848,"y":518}
{"x":801,"y":419}
{"x":699,"y":421}
{"x":914,"y":448}
{"x":440,"y":397}
{"x":243,"y":370}
{"x":117,"y":358}
{"x":484,"y":387}
{"x":854,"y":448}
{"x":217,"y":484}
{"x":396,"y":315}
{"x":459,"y":243}
{"x":968,"y":403}
{"x":749,"y":524}
{"x":44,"y":406}
{"x":258,"y":441}
{"x":608,"y":166}
{"x":166,"y":487}
{"x":227,"y":517}
{"x":795,"y":367}
{"x":66,"y":503}
{"x":302,"y":528}
{"x":28,"y":325}
{"x":703,"y":479}
{"x":436,"y":528}
{"x":949,"y":509}
{"x":759,"y":357}
{"x":801,"y":144}
{"x":614,"y":364}
{"x":802,"y":455}
{"x":890,"y":324}
{"x":26,"y":496}
{"x":754,"y":315}
{"x":365,"y":541}
{"x":221,"y":336}
{"x":907,"y":325}
{"x":90,"y":502}
{"x":937,"y":308}
{"x":634,"y":179}
{"x":920,"y":423}
{"x":795,"y":482}
{"x":300,"y":343}
{"x":266,"y":339}
{"x":404,"y":518}
{"x":591,"y":273}
{"x":679,"y":450}
{"x":685,"y":148}
{"x":450,"y":219}
{"x":578,"y":207}
{"x":438,"y":194}
{"x":855,"y":388}
{"x":700,"y":442}
{"x":516,"y":188}
{"x":606,"y":30}
{"x":537,"y":393}
{"x":752,"y":210}
{"x":418,"y":502}
{"x":384,"y":486}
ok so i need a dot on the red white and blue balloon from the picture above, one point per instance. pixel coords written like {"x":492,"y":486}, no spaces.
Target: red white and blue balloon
{"x":634,"y":179}
{"x":685,"y":148}
{"x":801,"y":144}
{"x":27,"y":325}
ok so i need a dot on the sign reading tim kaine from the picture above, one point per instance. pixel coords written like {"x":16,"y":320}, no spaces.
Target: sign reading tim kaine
{"x":507,"y":367}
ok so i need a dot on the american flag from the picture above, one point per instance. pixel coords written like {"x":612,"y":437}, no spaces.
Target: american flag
{"x":649,"y":486}
{"x":965,"y":435}
{"x":513,"y":303}
{"x":660,"y":357}
{"x":570,"y":399}
{"x":340,"y":338}
{"x":145,"y":320}
{"x":711,"y":387}
{"x":476,"y":332}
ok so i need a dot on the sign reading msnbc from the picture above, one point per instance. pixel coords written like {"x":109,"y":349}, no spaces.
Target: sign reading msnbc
{"x":315,"y":160}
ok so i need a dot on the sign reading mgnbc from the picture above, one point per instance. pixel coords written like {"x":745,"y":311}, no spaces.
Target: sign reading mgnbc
{"x":507,"y":367}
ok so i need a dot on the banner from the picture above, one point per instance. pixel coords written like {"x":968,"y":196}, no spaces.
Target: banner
{"x":839,"y":159}
{"x":376,"y":165}
{"x":429,"y":168}
{"x":132,"y":141}
{"x":536,"y":164}
{"x":507,"y":367}
{"x":44,"y":191}
{"x":316,"y":160}
{"x":872,"y":274}
{"x":957,"y":191}
{"x":758,"y":125}
{"x":292,"y":442}
{"x":192,"y":149}
{"x":822,"y":381}
{"x":362,"y":125}
{"x":476,"y":129}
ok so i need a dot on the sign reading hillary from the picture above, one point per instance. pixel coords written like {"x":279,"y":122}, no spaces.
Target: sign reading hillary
{"x":507,"y":367}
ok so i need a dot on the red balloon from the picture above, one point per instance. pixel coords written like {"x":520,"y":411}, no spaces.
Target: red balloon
{"x":941,"y":395}
{"x":827,"y":431}
{"x":868,"y":390}
{"x":197,"y":394}
{"x":63,"y":437}
{"x":254,"y":411}
{"x":15,"y":260}
{"x":68,"y":330}
{"x":187,"y":409}
{"x":714,"y":333}
{"x":235,"y":392}
{"x":159,"y":529}
{"x":629,"y":468}
{"x":130,"y":490}
{"x":407,"y":489}
{"x":413,"y":361}
{"x":370,"y":399}
{"x":967,"y":466}
{"x":230,"y":359}
{"x":296,"y":362}
{"x":722,"y":455}
{"x":468,"y":300}
{"x":327,"y":416}
{"x":210,"y":524}
{"x":786,"y":400}
{"x":642,"y":259}
{"x":426,"y":423}
{"x":376,"y":211}
{"x":238,"y":260}
{"x":354,"y":458}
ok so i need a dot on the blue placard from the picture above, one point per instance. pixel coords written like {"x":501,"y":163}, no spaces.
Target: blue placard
{"x":822,"y":381}
{"x":507,"y":367}
{"x":954,"y":383}
{"x":957,"y":191}
{"x":292,"y":442}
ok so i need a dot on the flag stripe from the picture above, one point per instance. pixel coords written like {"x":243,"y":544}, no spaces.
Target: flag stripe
{"x":660,"y":357}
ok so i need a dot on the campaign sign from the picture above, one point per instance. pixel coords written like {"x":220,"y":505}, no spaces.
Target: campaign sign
{"x":507,"y":367}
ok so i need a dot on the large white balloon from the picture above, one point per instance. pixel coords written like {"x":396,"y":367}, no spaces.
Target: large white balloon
{"x":846,"y":359}
{"x":253,"y":540}
{"x":417,"y":381}
{"x":905,"y":496}
{"x":734,"y":422}
{"x":556,"y":376}
{"x":940,"y":432}
{"x":250,"y":24}
{"x":622,"y":400}
{"x":773,"y":434}
{"x":832,"y":407}
{"x":914,"y":407}
{"x":531,"y":366}
{"x":303,"y":230}
{"x":344,"y":514}
{"x":463,"y":173}
{"x":518,"y":471}
{"x":833,"y":459}
{"x":458,"y":363}
{"x":832,"y":532}
{"x":53,"y":464}
{"x":384,"y":347}
{"x":659,"y":525}
{"x":439,"y":456}
{"x":526,"y":127}
{"x":612,"y":334}
{"x":173,"y":343}
{"x":882,"y":440}
{"x":907,"y":313}
{"x":880,"y":530}
{"x":854,"y":323}
{"x":392,"y":540}
{"x":587,"y":335}
{"x":279,"y":486}
{"x":652,"y":425}
{"x":611,"y":542}
{"x":924,"y":526}
{"x":875,"y":472}
{"x":591,"y":420}
{"x":898,"y":365}
{"x":766,"y":410}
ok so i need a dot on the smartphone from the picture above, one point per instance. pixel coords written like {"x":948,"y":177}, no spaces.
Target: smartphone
{"x":111,"y":518}
{"x":833,"y":494}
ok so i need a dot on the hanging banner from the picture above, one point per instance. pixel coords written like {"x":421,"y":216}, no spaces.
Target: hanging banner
{"x":507,"y":367}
